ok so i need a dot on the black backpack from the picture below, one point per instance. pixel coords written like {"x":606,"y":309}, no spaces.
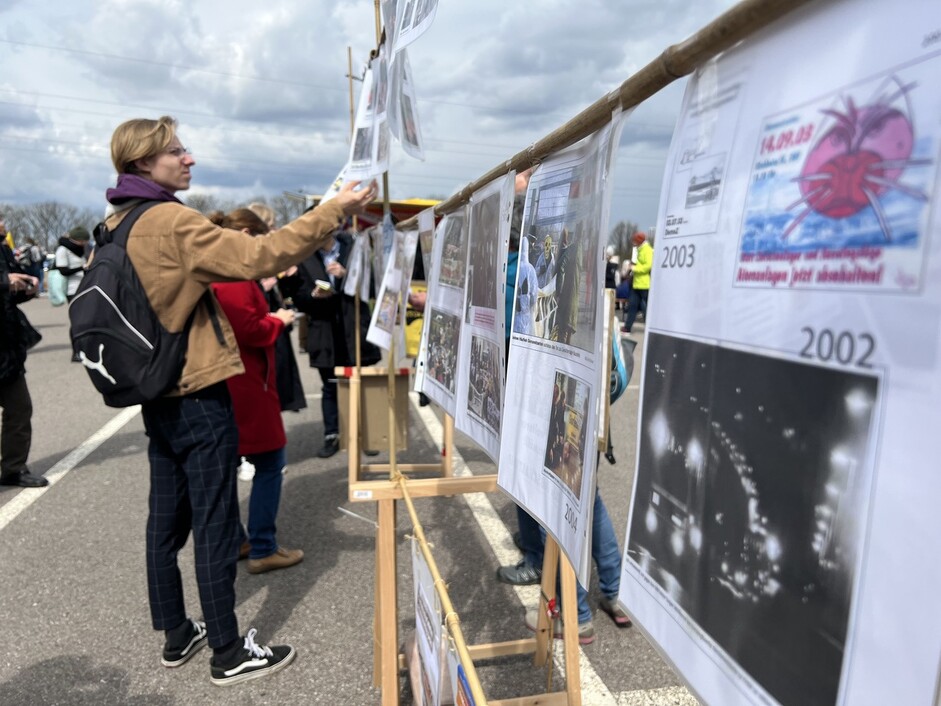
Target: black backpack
{"x":130,"y":357}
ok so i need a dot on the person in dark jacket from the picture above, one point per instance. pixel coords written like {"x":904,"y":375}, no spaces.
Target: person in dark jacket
{"x":279,"y":291}
{"x":331,"y":327}
{"x":16,"y":337}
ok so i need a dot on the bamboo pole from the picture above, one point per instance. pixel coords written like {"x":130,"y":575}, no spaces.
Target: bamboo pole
{"x":675,"y":62}
{"x":451,"y":618}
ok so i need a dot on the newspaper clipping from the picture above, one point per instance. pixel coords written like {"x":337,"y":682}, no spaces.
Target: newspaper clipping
{"x":480,"y":384}
{"x":388,"y":316}
{"x":548,"y":460}
{"x":786,"y":488}
{"x":441,"y":335}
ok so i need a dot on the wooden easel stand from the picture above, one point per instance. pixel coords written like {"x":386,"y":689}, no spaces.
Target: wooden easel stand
{"x":540,"y":645}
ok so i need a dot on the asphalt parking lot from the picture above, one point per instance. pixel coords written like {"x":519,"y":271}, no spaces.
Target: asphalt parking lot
{"x":73,"y":601}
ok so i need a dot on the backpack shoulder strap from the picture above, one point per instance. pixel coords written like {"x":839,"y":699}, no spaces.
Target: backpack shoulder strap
{"x":120,"y":234}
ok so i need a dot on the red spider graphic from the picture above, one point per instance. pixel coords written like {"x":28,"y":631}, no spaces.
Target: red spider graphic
{"x":858,"y":159}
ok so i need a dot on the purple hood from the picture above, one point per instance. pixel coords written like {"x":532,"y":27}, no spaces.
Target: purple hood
{"x":131,"y":186}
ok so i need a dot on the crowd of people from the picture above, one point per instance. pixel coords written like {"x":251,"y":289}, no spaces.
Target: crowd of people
{"x":225,"y":403}
{"x":240,"y":374}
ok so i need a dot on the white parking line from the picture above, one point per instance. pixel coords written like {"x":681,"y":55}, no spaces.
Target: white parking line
{"x":28,"y":496}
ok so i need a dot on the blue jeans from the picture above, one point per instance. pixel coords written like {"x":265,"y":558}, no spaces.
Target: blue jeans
{"x":263,"y":502}
{"x":604,"y":551}
{"x":638,"y":302}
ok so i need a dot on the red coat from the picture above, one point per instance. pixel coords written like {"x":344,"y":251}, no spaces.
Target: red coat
{"x":254,"y":392}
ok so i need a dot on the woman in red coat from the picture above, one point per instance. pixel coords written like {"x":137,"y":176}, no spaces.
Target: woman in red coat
{"x":255,"y":400}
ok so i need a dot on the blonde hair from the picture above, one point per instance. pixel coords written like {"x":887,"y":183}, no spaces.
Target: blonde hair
{"x":138,"y":139}
{"x":264,"y":212}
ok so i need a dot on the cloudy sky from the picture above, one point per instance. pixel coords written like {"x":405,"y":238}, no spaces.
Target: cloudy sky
{"x":262,"y":97}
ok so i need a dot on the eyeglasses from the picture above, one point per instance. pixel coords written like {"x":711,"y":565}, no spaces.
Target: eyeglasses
{"x":178,"y":152}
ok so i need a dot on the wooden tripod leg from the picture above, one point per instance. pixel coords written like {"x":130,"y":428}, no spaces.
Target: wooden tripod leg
{"x":376,"y":625}
{"x":544,"y":627}
{"x":447,"y":461}
{"x":573,"y":686}
{"x":353,"y":433}
{"x":387,"y":604}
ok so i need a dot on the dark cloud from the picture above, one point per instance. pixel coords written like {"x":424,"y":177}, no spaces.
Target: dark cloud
{"x":261,"y":93}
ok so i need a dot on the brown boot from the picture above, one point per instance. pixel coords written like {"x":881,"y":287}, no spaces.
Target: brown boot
{"x":281,"y":559}
{"x":244,"y":550}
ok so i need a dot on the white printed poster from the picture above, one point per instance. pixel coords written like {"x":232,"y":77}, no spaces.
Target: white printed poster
{"x":554,"y":379}
{"x":335,"y":186}
{"x":388,"y":316}
{"x":413,"y":20}
{"x":426,"y":237}
{"x":460,"y":686}
{"x":369,"y":149}
{"x":358,"y":274}
{"x":403,"y":111}
{"x":441,"y":332}
{"x":429,"y":632}
{"x":481,"y":362}
{"x":783,"y":529}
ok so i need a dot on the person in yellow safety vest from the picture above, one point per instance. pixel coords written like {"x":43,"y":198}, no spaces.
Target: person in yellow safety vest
{"x":641,"y":280}
{"x":8,"y":236}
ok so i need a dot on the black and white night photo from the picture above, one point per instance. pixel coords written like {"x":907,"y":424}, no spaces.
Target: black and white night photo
{"x":751,"y":503}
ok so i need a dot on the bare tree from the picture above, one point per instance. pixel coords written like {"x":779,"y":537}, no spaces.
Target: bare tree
{"x":207,"y":203}
{"x":46,"y":222}
{"x":620,"y":238}
{"x":287,"y":208}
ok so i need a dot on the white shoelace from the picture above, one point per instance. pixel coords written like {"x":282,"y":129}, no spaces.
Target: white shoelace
{"x":253,"y":648}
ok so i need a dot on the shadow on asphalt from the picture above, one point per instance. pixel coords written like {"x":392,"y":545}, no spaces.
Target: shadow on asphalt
{"x":89,"y":683}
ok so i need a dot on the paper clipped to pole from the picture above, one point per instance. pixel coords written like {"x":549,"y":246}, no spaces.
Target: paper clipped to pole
{"x":554,"y":378}
{"x":781,"y":540}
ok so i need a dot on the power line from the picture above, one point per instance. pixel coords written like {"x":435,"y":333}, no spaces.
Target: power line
{"x":169,"y":65}
{"x":266,"y":79}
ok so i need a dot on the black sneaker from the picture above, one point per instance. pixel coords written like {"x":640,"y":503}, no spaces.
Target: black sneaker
{"x":331,"y":444}
{"x":520,"y":575}
{"x":251,"y":662}
{"x":193,"y":643}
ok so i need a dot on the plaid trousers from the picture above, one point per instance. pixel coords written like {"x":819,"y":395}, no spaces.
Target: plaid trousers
{"x":193,"y":454}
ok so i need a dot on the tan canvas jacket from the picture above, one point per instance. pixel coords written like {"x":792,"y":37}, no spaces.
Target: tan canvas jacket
{"x":177,"y":253}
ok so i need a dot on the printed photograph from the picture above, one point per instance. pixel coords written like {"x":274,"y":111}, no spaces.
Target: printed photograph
{"x":566,"y":440}
{"x":408,"y":121}
{"x":750,"y":507}
{"x":443,"y":337}
{"x":381,"y":87}
{"x":427,"y":696}
{"x":407,"y":15}
{"x":562,"y":240}
{"x":482,"y":263}
{"x":705,"y":184}
{"x":486,"y":382}
{"x":453,"y":252}
{"x":385,"y":319}
{"x":362,"y":144}
{"x":426,"y":623}
{"x":382,"y":149}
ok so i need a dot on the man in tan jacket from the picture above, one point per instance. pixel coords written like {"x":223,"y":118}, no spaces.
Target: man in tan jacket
{"x":177,"y":254}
